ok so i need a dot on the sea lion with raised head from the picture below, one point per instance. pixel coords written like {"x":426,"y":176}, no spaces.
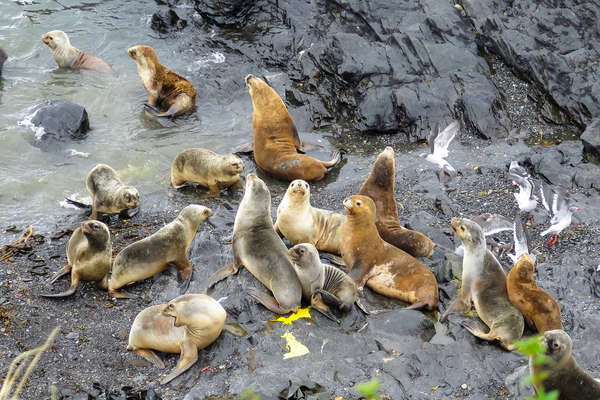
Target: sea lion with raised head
{"x":564,"y":374}
{"x":299,"y":222}
{"x":382,"y":267}
{"x":154,"y":254}
{"x":169,"y":94}
{"x":109,"y":194}
{"x":539,"y":309}
{"x":322,"y":284}
{"x":484,"y":285}
{"x":67,"y":56}
{"x":379,"y":186}
{"x":208,"y":169}
{"x":89,"y":254}
{"x":276,"y":141}
{"x":184,"y":325}
{"x":259,"y":248}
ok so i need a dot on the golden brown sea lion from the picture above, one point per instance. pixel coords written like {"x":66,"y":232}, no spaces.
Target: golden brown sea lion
{"x":539,"y":309}
{"x":169,"y":94}
{"x":108,"y":193}
{"x":276,"y":140}
{"x":299,"y":222}
{"x":149,"y":256}
{"x":89,"y":254}
{"x":208,"y":169}
{"x":322,"y":284}
{"x":384,"y":268}
{"x":183,"y":325}
{"x":67,"y":56}
{"x":484,"y":285}
{"x":379,"y":186}
{"x":257,"y":247}
{"x":564,"y":374}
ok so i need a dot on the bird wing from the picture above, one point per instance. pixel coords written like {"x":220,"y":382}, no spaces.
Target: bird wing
{"x":443,"y":139}
{"x":546,"y":195}
{"x":433,"y":133}
{"x":493,"y":223}
{"x":520,"y":238}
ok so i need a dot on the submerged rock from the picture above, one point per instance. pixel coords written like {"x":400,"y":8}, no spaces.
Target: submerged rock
{"x":167,"y":21}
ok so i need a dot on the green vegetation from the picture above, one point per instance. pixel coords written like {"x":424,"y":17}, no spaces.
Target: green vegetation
{"x":369,"y":389}
{"x":535,"y":349}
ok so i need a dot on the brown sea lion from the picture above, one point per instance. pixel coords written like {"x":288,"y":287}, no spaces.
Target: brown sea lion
{"x":149,"y":256}
{"x":108,"y":193}
{"x":539,"y":309}
{"x":89,"y":254}
{"x":322,"y":284}
{"x":379,"y":186}
{"x":67,"y":56}
{"x":299,"y":222}
{"x":484,"y":285}
{"x":564,"y":374}
{"x":384,"y":268}
{"x":276,"y":140}
{"x":169,"y":94}
{"x":208,"y":169}
{"x":184,"y":325}
{"x":257,"y":247}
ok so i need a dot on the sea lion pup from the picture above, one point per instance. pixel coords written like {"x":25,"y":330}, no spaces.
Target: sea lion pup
{"x":149,"y":256}
{"x":322,"y":284}
{"x":276,"y":140}
{"x":208,"y":169}
{"x":169,"y":94}
{"x":183,"y":325}
{"x":67,"y":56}
{"x":484,"y":284}
{"x":108,"y":193}
{"x":299,"y":222}
{"x":89,"y":253}
{"x":539,"y":309}
{"x":257,"y":247}
{"x":565,"y":375}
{"x":382,"y":267}
{"x":379,"y":186}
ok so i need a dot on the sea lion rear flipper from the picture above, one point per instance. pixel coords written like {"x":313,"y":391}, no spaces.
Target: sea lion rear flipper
{"x":184,"y":267}
{"x":189,"y":355}
{"x":224,"y":272}
{"x":182,"y":103}
{"x":457,"y":305}
{"x":337,"y":157}
{"x":328,"y":298}
{"x":267,"y":301}
{"x":150,"y":356}
{"x":326,"y":313}
{"x":77,"y":203}
{"x":476,"y":329}
{"x":61,"y":272}
{"x":68,"y":292}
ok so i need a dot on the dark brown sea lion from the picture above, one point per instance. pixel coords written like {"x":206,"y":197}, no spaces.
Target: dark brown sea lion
{"x":67,"y":56}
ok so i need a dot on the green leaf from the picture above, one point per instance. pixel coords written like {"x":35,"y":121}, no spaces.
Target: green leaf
{"x":369,"y":389}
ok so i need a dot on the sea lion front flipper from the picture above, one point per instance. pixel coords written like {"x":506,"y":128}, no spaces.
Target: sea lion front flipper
{"x":476,"y":329}
{"x":182,"y":103}
{"x":189,"y":355}
{"x":224,"y":272}
{"x":61,"y":272}
{"x":129,"y":213}
{"x":213,"y":191}
{"x":297,"y":142}
{"x":457,"y":305}
{"x":68,"y":292}
{"x":328,"y":298}
{"x":150,"y":356}
{"x":267,"y":301}
{"x":120,"y":294}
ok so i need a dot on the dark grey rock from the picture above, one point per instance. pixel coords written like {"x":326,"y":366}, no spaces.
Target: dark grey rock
{"x":591,"y":136}
{"x":453,"y":263}
{"x":61,"y":121}
{"x":549,"y":164}
{"x":572,"y":151}
{"x":588,"y":176}
{"x":401,"y":330}
{"x":165,"y":21}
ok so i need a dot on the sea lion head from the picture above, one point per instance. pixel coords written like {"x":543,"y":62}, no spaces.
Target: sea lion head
{"x":233,"y":165}
{"x":56,"y":39}
{"x":558,"y":344}
{"x":360,"y":207}
{"x":143,"y":55}
{"x":304,"y":254}
{"x":298,"y":190}
{"x":128,"y":197}
{"x":95,"y":231}
{"x":195,"y":213}
{"x":194,"y":310}
{"x":469,"y":232}
{"x":384,"y":168}
{"x":258,"y":191}
{"x":524,"y":268}
{"x":263,"y":96}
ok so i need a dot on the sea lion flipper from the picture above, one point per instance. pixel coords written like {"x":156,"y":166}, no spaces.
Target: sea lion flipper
{"x":189,"y":355}
{"x":476,"y":329}
{"x":267,"y":301}
{"x":68,"y":292}
{"x":129,"y":213}
{"x":63,"y":271}
{"x":336,"y":158}
{"x":332,"y":258}
{"x":150,"y":356}
{"x":77,"y":203}
{"x":224,"y":272}
{"x":329,"y":298}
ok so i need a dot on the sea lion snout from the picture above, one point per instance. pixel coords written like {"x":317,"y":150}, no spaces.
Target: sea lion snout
{"x":46,"y":38}
{"x":348,"y":204}
{"x":248,"y":78}
{"x":299,"y":187}
{"x":132,"y":52}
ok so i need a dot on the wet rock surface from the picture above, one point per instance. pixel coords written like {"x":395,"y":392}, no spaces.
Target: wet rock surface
{"x":57,"y":122}
{"x":373,"y":66}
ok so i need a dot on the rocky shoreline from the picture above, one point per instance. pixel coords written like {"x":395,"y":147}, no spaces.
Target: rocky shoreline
{"x":375,"y":67}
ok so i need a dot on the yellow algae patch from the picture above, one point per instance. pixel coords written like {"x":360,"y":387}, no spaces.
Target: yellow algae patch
{"x":301,"y":313}
{"x":296,"y":349}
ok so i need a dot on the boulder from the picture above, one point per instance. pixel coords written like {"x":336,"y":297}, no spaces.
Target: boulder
{"x":591,"y":136}
{"x":165,"y":21}
{"x":59,"y":121}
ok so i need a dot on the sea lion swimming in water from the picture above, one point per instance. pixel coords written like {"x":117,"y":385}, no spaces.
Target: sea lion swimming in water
{"x":67,"y":56}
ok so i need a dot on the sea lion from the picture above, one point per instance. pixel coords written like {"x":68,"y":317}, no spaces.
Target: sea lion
{"x":322,"y":284}
{"x":149,"y":256}
{"x":564,"y":374}
{"x":89,"y":254}
{"x":539,"y":309}
{"x":169,"y":94}
{"x":257,"y":247}
{"x":276,"y":140}
{"x":67,"y":56}
{"x":208,"y":169}
{"x":183,"y":325}
{"x":299,"y":222}
{"x":108,"y":193}
{"x":382,"y":267}
{"x":379,"y":186}
{"x":484,"y":285}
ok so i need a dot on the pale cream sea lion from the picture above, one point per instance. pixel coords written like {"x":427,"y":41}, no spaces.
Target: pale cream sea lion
{"x":67,"y":56}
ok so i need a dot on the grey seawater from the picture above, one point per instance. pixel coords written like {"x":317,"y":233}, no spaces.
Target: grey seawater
{"x":140,"y":148}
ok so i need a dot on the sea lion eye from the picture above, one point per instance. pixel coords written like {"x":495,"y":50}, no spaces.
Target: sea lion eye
{"x":358,"y":202}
